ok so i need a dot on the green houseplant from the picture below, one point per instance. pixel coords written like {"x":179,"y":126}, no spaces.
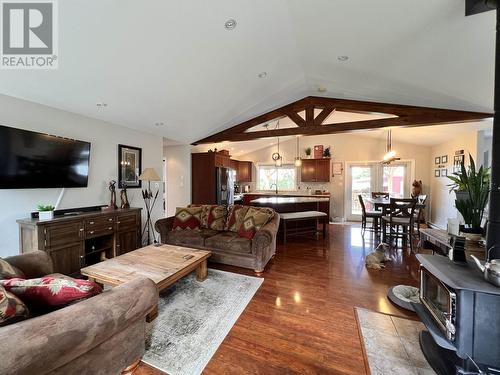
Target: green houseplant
{"x":472,"y":188}
{"x":308,"y":152}
{"x":45,"y":212}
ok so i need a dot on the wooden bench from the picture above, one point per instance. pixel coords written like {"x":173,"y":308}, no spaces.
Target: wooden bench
{"x":305,"y":215}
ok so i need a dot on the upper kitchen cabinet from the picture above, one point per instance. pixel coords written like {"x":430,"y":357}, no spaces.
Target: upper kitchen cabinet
{"x":244,"y":171}
{"x":315,"y":170}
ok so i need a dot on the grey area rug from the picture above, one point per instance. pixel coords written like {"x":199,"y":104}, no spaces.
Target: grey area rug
{"x":193,"y":319}
{"x":391,"y":344}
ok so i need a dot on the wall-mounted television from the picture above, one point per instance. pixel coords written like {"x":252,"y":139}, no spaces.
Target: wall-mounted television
{"x":30,"y":160}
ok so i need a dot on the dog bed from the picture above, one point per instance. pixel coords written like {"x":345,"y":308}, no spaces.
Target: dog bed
{"x":403,"y":296}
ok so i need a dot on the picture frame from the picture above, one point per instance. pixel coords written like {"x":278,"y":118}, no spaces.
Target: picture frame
{"x":437,"y":172}
{"x":444,"y":173}
{"x":437,"y":160}
{"x":129,"y":167}
{"x":337,"y":168}
{"x":444,"y":159}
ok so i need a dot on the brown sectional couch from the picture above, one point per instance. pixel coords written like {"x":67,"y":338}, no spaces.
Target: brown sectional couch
{"x":101,"y":335}
{"x":227,"y":247}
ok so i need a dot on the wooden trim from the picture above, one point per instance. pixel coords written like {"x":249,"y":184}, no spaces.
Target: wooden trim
{"x":408,"y":116}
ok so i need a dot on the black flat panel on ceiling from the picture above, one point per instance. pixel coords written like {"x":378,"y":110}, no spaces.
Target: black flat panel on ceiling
{"x":479,"y":6}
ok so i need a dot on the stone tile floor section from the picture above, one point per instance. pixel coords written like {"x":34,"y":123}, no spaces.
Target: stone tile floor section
{"x":392,"y":345}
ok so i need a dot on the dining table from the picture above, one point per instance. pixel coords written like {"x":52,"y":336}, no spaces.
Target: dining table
{"x":384,"y":204}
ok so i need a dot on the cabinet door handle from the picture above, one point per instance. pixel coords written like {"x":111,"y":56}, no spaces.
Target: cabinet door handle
{"x":118,"y":222}
{"x":91,"y":223}
{"x":110,"y":228}
{"x":91,"y":232}
{"x":110,"y":219}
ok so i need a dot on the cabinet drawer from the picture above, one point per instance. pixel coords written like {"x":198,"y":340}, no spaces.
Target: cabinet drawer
{"x":126,"y":222}
{"x":100,"y":221}
{"x":61,"y":235}
{"x":97,"y":231}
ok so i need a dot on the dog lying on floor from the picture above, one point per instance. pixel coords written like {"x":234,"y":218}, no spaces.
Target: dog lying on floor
{"x":377,"y":257}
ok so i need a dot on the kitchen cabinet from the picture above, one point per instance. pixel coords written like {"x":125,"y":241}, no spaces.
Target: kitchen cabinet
{"x":222,"y":160}
{"x":244,"y":171}
{"x":315,"y":170}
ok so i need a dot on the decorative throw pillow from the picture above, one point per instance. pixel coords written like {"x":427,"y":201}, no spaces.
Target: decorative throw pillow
{"x":217,"y":217}
{"x":12,"y":309}
{"x":255,"y":218}
{"x":205,"y":209}
{"x":51,"y":291}
{"x":8,"y":272}
{"x":235,"y":217}
{"x":187,"y":218}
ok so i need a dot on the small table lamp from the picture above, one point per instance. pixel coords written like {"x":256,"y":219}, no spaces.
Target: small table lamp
{"x":149,"y":174}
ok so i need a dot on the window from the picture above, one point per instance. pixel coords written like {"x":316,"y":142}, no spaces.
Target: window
{"x":285,"y":177}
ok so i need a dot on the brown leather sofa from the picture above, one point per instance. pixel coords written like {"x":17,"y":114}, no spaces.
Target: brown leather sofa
{"x":226,"y":247}
{"x":101,"y":335}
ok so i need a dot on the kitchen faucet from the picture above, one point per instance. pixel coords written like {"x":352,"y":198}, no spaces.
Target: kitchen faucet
{"x":276,"y":188}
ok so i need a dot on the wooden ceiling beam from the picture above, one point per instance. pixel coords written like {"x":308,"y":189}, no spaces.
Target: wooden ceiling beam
{"x":323,"y":115}
{"x":407,"y":116}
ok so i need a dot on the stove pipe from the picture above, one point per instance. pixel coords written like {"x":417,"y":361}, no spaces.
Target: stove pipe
{"x":493,"y":232}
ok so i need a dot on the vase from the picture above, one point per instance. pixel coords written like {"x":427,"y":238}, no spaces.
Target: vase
{"x":45,"y":215}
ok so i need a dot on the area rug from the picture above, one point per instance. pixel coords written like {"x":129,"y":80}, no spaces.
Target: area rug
{"x":391,"y":344}
{"x":193,"y":319}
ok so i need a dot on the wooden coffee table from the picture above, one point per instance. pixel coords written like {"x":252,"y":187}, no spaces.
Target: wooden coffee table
{"x":163,"y":264}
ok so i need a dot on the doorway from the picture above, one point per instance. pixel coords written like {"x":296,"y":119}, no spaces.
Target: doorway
{"x":367,"y":177}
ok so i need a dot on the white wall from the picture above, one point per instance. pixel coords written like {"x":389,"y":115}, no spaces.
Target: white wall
{"x":178,"y":177}
{"x":345,"y":148}
{"x":104,"y":138}
{"x":442,"y":201}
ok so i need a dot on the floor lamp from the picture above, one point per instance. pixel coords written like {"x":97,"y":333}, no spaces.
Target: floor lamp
{"x":149,"y":174}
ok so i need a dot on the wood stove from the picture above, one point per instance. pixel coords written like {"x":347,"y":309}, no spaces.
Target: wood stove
{"x":462,"y":314}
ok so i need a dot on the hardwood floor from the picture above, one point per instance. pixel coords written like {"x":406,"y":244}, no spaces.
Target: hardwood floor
{"x":302,"y":319}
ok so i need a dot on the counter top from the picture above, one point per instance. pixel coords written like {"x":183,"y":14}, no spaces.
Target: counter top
{"x":290,"y":200}
{"x":288,"y":194}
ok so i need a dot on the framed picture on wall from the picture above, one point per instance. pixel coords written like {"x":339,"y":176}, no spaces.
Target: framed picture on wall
{"x":444,"y":173}
{"x":129,"y":166}
{"x":337,"y":169}
{"x":437,"y":160}
{"x":436,"y":173}
{"x":444,"y":159}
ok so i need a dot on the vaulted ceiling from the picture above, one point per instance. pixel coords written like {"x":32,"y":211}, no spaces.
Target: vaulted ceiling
{"x":173,"y":62}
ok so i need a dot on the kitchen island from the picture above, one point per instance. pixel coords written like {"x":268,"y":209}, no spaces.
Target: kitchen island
{"x":299,"y":203}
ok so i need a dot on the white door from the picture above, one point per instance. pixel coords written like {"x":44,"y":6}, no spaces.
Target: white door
{"x":365,"y":178}
{"x":361,"y":180}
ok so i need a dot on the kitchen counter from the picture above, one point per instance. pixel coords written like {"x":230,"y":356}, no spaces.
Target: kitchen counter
{"x":290,"y":200}
{"x":287,"y":194}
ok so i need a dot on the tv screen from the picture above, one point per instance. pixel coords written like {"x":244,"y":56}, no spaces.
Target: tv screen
{"x":35,"y":160}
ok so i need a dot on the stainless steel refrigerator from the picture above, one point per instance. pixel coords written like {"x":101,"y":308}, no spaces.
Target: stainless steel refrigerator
{"x":225,"y":186}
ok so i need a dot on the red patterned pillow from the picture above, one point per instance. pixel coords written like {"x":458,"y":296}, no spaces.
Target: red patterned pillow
{"x":51,"y":291}
{"x":255,"y":218}
{"x":235,"y":217}
{"x":12,"y":309}
{"x":217,"y":217}
{"x":8,"y":272}
{"x":187,"y":218}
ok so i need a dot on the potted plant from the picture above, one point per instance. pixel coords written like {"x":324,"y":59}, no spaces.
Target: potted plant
{"x":472,"y":188}
{"x":326,"y":152}
{"x":308,"y":152}
{"x":45,"y":212}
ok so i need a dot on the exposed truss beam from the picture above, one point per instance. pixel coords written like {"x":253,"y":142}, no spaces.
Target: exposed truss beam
{"x":407,"y":116}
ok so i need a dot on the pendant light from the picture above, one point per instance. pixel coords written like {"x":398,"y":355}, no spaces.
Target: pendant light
{"x":277,"y":158}
{"x":298,"y":160}
{"x":390,"y":154}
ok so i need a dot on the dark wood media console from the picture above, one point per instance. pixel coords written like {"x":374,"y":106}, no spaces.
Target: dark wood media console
{"x":76,"y":241}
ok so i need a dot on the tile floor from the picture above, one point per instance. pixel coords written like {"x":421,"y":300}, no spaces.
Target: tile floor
{"x":391,"y":344}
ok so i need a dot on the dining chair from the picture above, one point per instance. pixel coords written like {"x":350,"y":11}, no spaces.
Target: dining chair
{"x":420,"y":211}
{"x":401,"y":215}
{"x":374,"y":215}
{"x":380,"y":194}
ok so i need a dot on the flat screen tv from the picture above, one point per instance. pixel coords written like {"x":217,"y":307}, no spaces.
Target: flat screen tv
{"x":31,"y":160}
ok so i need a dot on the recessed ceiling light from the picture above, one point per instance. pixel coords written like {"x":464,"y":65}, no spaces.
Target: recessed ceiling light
{"x":159,"y":124}
{"x":343,"y":58}
{"x":322,"y":89}
{"x":230,"y":24}
{"x":262,"y":75}
{"x":101,"y":104}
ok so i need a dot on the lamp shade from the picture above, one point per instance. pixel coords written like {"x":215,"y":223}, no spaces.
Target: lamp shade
{"x":149,"y":174}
